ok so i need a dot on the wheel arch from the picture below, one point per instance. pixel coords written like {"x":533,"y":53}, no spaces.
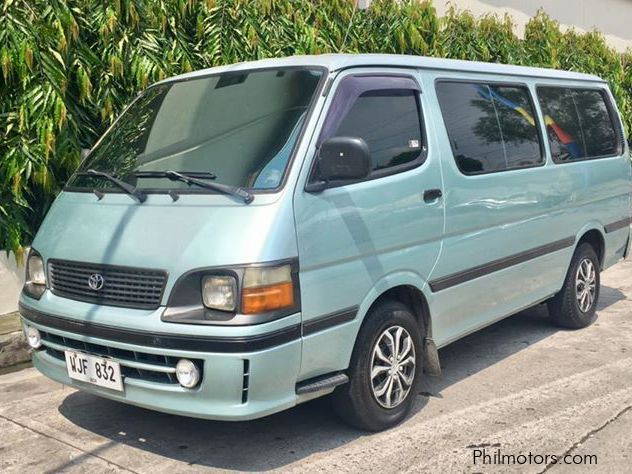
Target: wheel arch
{"x":410,"y":289}
{"x":412,"y":297}
{"x":593,"y":234}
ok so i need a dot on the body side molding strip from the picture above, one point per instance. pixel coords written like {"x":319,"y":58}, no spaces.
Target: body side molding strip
{"x":617,"y":225}
{"x":500,"y":264}
{"x":329,"y":320}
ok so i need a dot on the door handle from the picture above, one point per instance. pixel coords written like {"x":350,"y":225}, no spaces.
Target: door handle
{"x":432,"y":194}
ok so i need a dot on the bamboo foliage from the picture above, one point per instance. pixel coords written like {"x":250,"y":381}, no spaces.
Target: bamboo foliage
{"x":68,"y":67}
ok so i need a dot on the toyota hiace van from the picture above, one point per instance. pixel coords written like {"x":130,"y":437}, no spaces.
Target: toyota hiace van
{"x":246,"y":238}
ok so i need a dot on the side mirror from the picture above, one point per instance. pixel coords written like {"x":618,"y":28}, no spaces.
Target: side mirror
{"x":84,"y":153}
{"x":341,"y":159}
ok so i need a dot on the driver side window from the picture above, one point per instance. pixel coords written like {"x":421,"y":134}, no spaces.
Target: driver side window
{"x":385,"y":112}
{"x":388,"y":121}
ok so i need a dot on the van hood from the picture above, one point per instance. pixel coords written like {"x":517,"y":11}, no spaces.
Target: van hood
{"x":198,"y":230}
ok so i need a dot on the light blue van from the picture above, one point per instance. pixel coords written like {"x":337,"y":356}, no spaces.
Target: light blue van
{"x":246,"y":238}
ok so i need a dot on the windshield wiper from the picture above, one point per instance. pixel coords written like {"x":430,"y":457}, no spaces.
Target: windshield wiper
{"x":190,"y":178}
{"x":165,"y":174}
{"x":134,"y":193}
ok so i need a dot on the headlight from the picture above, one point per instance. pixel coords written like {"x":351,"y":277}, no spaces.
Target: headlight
{"x":220,"y":292}
{"x":237,"y":295}
{"x":187,"y":373}
{"x":35,"y":268}
{"x":267,"y":289}
{"x":35,"y":281}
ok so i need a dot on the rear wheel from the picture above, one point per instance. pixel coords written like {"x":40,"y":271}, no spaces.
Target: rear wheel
{"x":574,"y":307}
{"x":385,"y":369}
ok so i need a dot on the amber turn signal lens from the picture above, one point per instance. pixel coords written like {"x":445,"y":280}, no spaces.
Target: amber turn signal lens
{"x":267,"y":298}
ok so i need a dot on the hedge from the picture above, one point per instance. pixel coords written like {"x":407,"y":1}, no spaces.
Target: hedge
{"x":69,"y":67}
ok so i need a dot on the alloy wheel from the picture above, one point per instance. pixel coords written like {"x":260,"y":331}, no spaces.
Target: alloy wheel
{"x":585,"y":285}
{"x":392,"y":367}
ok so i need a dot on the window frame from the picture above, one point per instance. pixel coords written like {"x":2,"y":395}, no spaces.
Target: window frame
{"x":615,"y":120}
{"x":499,"y":83}
{"x":384,"y":172}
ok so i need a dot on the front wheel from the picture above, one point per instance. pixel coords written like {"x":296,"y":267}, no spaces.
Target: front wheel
{"x":574,"y":307}
{"x":385,"y":369}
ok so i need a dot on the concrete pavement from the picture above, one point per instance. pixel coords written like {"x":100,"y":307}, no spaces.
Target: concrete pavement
{"x":520,"y":386}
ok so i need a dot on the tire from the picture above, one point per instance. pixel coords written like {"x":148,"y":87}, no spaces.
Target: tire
{"x":568,"y":309}
{"x":358,"y":403}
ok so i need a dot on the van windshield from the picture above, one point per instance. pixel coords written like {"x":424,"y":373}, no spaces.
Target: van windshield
{"x":237,"y":128}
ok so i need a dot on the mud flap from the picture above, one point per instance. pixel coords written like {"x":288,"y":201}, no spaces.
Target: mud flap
{"x":432,"y":366}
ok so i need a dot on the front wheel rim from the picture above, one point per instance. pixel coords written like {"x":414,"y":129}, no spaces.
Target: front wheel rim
{"x":585,"y":285}
{"x":392,"y":367}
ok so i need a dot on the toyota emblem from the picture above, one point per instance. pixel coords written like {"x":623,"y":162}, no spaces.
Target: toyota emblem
{"x":96,"y":281}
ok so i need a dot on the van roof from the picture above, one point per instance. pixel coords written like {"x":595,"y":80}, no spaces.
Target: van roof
{"x":335,"y":62}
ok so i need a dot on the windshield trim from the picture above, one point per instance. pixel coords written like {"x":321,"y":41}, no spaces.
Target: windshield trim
{"x":299,"y":139}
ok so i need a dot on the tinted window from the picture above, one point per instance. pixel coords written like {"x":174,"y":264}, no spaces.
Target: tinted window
{"x":389,"y":122}
{"x":578,"y":123}
{"x":491,"y":127}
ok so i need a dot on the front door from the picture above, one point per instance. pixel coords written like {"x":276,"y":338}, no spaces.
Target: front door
{"x":355,"y":239}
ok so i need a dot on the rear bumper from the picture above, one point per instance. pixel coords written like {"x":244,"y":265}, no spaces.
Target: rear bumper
{"x":244,"y":377}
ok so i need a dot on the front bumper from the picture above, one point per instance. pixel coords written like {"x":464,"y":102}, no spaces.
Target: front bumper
{"x":244,"y":377}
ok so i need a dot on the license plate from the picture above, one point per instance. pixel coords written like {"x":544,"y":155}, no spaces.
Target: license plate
{"x":94,"y":370}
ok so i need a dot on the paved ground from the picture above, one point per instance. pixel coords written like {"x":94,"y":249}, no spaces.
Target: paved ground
{"x":519,"y":386}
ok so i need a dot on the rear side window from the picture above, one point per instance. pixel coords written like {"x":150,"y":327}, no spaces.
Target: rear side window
{"x":389,"y":122}
{"x":578,"y":122}
{"x":491,"y":127}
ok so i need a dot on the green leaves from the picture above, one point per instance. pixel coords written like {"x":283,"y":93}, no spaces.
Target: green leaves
{"x":68,"y":67}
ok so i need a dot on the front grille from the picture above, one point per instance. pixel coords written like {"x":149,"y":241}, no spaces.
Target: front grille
{"x":121,"y":286}
{"x":134,"y":365}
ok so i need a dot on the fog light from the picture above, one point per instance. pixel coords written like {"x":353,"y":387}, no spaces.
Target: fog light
{"x":33,"y":337}
{"x":187,"y":373}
